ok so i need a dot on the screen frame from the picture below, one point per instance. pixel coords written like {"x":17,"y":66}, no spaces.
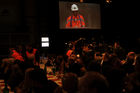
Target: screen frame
{"x":86,"y":28}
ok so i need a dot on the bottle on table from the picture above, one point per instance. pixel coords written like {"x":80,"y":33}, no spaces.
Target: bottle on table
{"x":6,"y":89}
{"x":54,"y":68}
{"x":45,"y":68}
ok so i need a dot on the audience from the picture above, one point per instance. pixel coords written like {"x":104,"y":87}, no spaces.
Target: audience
{"x":129,"y":64}
{"x":132,"y":83}
{"x":88,"y":69}
{"x":35,"y":81}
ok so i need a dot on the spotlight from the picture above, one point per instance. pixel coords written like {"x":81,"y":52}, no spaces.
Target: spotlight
{"x":44,"y":41}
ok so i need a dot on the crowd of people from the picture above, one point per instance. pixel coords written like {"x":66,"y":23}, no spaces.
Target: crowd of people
{"x":88,"y":68}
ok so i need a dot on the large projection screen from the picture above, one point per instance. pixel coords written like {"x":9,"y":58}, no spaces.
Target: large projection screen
{"x":90,"y":11}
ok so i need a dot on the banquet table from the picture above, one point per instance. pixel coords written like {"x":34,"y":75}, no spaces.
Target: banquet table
{"x":2,"y":86}
{"x":50,"y":75}
{"x":54,"y":77}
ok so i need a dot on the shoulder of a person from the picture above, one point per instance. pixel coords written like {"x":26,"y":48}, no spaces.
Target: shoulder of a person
{"x":69,"y":17}
{"x":80,"y":15}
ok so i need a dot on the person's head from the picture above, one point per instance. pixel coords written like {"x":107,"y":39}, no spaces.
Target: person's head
{"x":114,"y":60}
{"x":35,"y":77}
{"x":94,"y":66}
{"x":70,"y":82}
{"x":105,"y":56}
{"x":93,"y":82}
{"x":116,"y":45}
{"x":131,"y":55}
{"x":11,"y":50}
{"x":74,"y":9}
{"x":29,"y":46}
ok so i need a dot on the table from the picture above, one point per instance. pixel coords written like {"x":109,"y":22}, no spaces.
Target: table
{"x":2,"y":85}
{"x":50,"y":75}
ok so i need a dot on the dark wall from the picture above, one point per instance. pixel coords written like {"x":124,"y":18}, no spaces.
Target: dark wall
{"x":18,"y":23}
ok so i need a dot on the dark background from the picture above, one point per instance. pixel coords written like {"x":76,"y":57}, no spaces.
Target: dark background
{"x":25,"y":21}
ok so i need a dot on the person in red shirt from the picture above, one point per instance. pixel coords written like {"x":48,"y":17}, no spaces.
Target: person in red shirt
{"x":32,"y":54}
{"x":76,"y":20}
{"x":16,"y":55}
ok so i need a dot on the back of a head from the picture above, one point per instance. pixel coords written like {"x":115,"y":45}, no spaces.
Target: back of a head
{"x":93,"y":82}
{"x":94,"y":66}
{"x":70,"y":82}
{"x":114,"y":60}
{"x":35,"y":78}
{"x":131,"y":55}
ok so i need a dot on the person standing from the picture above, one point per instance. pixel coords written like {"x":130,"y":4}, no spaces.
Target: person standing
{"x":76,"y":20}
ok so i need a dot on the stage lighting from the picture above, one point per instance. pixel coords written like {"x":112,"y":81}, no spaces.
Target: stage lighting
{"x":44,"y":41}
{"x":45,"y":45}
